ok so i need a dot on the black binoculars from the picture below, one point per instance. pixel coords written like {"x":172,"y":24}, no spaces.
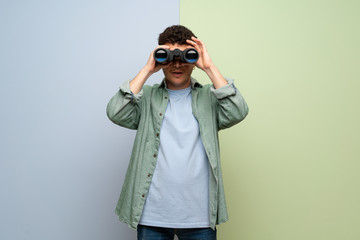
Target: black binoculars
{"x":163,"y":55}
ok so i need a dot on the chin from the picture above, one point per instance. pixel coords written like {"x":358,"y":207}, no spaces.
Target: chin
{"x":177,"y":83}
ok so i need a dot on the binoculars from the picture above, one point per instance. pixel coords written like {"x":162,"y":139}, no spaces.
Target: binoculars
{"x":163,"y":55}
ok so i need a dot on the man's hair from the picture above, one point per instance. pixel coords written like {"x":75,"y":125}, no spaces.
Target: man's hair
{"x":175,"y":34}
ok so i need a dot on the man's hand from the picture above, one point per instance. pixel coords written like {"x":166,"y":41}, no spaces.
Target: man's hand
{"x":205,"y":63}
{"x":151,"y":67}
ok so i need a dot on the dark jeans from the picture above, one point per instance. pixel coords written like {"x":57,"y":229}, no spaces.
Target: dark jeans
{"x":159,"y":233}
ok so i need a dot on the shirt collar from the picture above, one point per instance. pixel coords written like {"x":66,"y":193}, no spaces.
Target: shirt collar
{"x":193,"y":81}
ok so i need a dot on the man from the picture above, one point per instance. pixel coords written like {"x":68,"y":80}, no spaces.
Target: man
{"x":173,"y":183}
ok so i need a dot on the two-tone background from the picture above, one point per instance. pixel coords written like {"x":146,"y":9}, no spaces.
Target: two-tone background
{"x":291,"y":168}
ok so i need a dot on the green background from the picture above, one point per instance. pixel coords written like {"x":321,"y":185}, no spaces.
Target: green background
{"x":291,"y":168}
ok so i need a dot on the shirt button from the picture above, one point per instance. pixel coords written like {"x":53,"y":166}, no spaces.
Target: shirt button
{"x":143,"y":195}
{"x":149,"y":175}
{"x":160,"y":114}
{"x":157,"y":134}
{"x":154,"y":155}
{"x":165,"y":97}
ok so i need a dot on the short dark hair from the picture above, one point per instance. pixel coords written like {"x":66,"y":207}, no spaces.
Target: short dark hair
{"x":175,"y":34}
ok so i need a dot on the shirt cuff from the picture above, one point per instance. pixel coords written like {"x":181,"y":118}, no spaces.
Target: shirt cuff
{"x":128,"y":94}
{"x":225,"y":91}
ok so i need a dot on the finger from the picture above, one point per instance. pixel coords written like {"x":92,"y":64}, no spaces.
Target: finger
{"x":187,"y":47}
{"x":191,"y":42}
{"x":195,"y":39}
{"x":195,"y":45}
{"x":199,"y":42}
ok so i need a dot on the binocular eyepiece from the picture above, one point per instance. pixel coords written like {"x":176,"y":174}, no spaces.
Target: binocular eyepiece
{"x":163,"y":55}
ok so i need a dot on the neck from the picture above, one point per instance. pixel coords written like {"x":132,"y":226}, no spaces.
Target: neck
{"x":173,"y":86}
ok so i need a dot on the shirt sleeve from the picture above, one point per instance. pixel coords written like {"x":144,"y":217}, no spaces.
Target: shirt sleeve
{"x":232,"y":107}
{"x":123,"y":108}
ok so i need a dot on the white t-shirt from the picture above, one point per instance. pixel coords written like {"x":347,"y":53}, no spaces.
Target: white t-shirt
{"x":179,"y":193}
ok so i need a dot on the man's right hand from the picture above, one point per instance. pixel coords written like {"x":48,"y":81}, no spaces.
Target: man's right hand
{"x":151,"y":67}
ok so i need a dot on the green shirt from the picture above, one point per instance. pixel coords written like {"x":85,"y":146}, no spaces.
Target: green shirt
{"x":214,"y":109}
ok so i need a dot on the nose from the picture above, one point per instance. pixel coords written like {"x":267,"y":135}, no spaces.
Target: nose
{"x":177,"y":63}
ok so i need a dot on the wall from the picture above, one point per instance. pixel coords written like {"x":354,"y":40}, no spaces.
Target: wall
{"x":62,"y":161}
{"x":291,"y":168}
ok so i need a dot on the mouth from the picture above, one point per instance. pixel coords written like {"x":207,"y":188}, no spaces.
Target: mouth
{"x":177,"y":73}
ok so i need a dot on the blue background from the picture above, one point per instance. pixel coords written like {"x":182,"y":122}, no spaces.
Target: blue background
{"x":62,"y":161}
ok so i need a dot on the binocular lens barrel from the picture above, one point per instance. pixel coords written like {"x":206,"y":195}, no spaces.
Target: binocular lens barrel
{"x":161,"y":55}
{"x":189,"y":55}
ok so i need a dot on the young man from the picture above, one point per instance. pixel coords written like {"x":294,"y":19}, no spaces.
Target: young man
{"x":173,"y":183}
